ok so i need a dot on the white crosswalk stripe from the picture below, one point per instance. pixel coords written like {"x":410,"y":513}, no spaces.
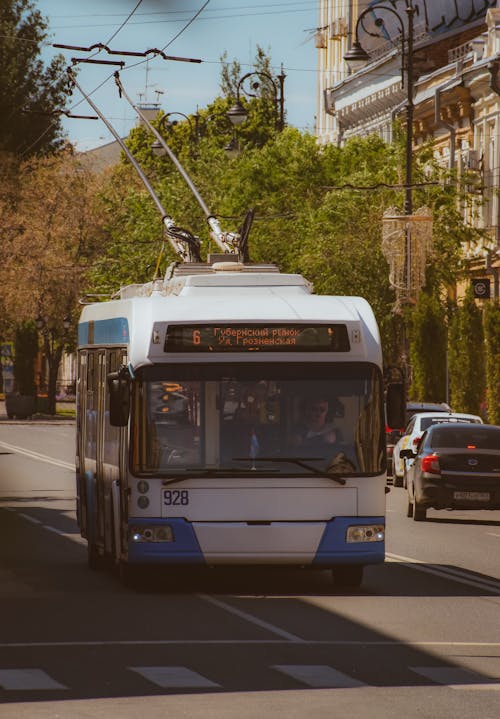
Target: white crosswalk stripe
{"x":457,"y":678}
{"x":315,"y":676}
{"x":27,"y":680}
{"x":319,"y":676}
{"x":174,"y":677}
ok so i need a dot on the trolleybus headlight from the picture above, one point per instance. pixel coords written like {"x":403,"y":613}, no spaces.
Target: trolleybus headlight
{"x":142,"y":486}
{"x":143,"y":502}
{"x":164,"y":534}
{"x":366,"y":533}
{"x":152,"y":533}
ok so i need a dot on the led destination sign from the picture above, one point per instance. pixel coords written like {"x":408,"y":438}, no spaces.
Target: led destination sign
{"x":257,"y":337}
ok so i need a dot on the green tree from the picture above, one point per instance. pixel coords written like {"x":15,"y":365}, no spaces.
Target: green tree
{"x":59,"y":233}
{"x":492,"y":338}
{"x":466,"y":357}
{"x":318,"y":209}
{"x":30,"y":91}
{"x":428,"y":349}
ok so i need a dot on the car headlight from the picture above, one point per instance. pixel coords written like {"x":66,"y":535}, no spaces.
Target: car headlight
{"x":365,"y":533}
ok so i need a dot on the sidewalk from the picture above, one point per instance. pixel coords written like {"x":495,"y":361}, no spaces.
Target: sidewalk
{"x":65,"y":413}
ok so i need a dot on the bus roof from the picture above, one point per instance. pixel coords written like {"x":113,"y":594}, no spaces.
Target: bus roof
{"x":230,"y":297}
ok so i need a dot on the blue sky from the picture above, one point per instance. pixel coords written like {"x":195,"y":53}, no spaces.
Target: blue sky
{"x":283,"y":28}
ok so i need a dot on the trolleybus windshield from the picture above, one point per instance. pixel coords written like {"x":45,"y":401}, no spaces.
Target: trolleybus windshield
{"x":265,"y":418}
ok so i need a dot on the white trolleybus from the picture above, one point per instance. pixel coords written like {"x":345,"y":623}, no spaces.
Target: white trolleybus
{"x":228,"y":416}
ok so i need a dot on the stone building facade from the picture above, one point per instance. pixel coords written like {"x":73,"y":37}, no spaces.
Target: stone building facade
{"x":456,"y":93}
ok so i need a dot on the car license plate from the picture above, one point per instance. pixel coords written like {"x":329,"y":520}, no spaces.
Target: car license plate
{"x":473,"y":496}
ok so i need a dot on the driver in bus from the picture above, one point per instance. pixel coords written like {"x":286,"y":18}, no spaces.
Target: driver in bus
{"x":316,"y":428}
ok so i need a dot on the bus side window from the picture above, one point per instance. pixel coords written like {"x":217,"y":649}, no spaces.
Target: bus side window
{"x":91,"y":407}
{"x":111,"y":434}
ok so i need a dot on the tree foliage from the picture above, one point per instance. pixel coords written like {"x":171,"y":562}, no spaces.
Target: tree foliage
{"x":428,"y":349}
{"x":55,"y":234}
{"x":29,"y":90}
{"x":466,"y":357}
{"x":492,"y":337}
{"x":318,"y":211}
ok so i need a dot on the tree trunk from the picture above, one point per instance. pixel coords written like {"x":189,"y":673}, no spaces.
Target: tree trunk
{"x":54,"y":360}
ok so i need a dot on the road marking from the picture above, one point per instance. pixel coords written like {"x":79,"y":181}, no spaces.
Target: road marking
{"x":67,"y":535}
{"x":27,"y":679}
{"x":250,"y":618}
{"x":29,"y":518}
{"x":38,"y":456}
{"x":319,"y":676}
{"x":457,"y":575}
{"x":175,"y":677}
{"x":243,"y":642}
{"x":492,"y":534}
{"x":456,"y":678}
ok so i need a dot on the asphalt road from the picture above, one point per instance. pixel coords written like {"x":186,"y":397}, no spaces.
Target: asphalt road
{"x":421,"y":638}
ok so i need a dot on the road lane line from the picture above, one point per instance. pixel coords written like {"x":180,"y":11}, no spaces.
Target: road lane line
{"x":456,"y":678}
{"x":29,"y":518}
{"x":38,"y":456}
{"x":250,"y":618}
{"x":175,"y":677}
{"x":67,"y":535}
{"x":480,"y":646}
{"x":27,"y":679}
{"x":220,"y":642}
{"x":319,"y":676}
{"x":455,"y":575}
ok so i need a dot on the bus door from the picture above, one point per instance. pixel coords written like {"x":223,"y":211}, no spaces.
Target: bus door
{"x":210,"y":410}
{"x":112,"y":457}
{"x":98,"y":408}
{"x":81,"y":495}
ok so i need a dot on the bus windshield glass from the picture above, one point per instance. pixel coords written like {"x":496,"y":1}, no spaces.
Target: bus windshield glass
{"x":291,"y":419}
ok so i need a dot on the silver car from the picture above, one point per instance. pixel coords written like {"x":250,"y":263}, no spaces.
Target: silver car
{"x":414,"y":430}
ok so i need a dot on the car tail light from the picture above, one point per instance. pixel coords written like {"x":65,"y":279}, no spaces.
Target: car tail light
{"x":416,"y":440}
{"x":430,"y":464}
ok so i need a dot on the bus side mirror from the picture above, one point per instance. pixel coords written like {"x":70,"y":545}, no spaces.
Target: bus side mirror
{"x":395,"y":404}
{"x":119,"y":398}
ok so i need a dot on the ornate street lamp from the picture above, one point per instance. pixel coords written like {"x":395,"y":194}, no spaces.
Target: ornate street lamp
{"x":407,"y":237}
{"x":165,"y":124}
{"x":238,"y":114}
{"x":357,"y":56}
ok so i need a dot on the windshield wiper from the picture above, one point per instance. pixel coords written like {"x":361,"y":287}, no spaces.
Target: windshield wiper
{"x":193,"y":472}
{"x":300,"y":462}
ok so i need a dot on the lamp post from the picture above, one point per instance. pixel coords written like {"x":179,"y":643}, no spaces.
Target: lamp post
{"x":358,"y":56}
{"x":238,"y":114}
{"x":166,"y":123}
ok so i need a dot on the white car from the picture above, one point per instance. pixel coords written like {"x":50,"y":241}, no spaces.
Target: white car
{"x":413,"y":432}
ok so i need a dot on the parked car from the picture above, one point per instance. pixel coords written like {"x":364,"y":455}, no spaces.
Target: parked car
{"x":393,"y":434}
{"x":455,"y":466}
{"x":414,"y":430}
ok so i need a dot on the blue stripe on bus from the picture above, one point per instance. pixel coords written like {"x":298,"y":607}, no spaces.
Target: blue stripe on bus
{"x":185,"y":548}
{"x":104,"y":332}
{"x":333,"y":548}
